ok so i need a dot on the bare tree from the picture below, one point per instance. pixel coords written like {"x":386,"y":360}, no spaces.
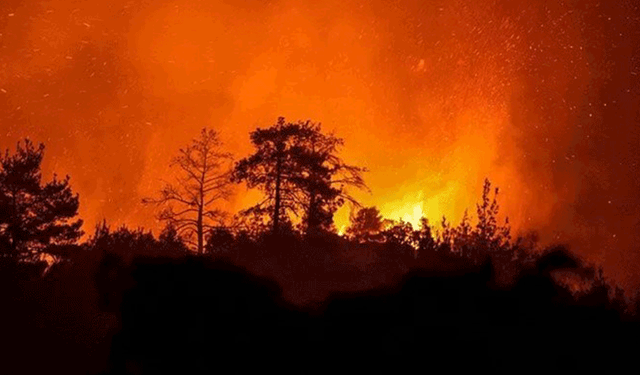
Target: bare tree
{"x":202,"y":182}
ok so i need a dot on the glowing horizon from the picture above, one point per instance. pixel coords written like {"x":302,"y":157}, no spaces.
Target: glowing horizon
{"x":431,"y":97}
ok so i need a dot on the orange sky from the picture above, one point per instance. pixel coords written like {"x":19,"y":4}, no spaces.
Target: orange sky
{"x":431,"y":96}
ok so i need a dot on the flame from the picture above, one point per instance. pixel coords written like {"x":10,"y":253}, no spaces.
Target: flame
{"x":431,"y":99}
{"x":410,"y":210}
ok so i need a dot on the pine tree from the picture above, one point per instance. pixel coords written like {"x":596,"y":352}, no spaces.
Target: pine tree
{"x":296,"y":167}
{"x":33,"y":216}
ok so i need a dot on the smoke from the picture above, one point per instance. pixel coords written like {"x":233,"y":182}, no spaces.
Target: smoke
{"x":432,"y":97}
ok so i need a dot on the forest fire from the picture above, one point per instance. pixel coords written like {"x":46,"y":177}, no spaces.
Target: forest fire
{"x":308,"y":141}
{"x":431,"y":98}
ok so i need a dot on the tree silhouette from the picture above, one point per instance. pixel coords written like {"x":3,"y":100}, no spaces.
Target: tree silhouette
{"x":401,"y":233}
{"x":34,"y":216}
{"x":463,"y":239}
{"x":325,"y":176}
{"x":445,"y":237}
{"x":170,"y":243}
{"x":272,"y":169}
{"x":365,"y":223}
{"x":425,"y":238}
{"x":220,"y":242}
{"x":202,"y":183}
{"x":296,"y":166}
{"x":490,"y":238}
{"x":489,"y":234}
{"x":123,"y":242}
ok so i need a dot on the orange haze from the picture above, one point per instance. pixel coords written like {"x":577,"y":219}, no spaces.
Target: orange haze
{"x":431,"y":96}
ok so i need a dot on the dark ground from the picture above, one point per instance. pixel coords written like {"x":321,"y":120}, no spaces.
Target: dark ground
{"x":204,"y":316}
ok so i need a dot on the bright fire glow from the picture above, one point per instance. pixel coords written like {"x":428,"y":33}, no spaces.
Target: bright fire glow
{"x":432,"y":96}
{"x":409,"y":212}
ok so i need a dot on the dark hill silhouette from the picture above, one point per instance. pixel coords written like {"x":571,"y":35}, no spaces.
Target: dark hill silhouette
{"x":197,"y":316}
{"x":192,"y":315}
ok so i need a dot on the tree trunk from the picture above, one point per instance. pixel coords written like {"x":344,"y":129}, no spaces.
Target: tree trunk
{"x":200,"y":231}
{"x":276,"y":210}
{"x":201,"y":208}
{"x":13,"y":235}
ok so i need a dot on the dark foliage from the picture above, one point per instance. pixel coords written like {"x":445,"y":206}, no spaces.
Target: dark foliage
{"x":196,"y":315}
{"x":386,"y":297}
{"x":295,"y":165}
{"x":220,"y":242}
{"x":32,"y":215}
{"x":365,"y":223}
{"x":172,"y":312}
